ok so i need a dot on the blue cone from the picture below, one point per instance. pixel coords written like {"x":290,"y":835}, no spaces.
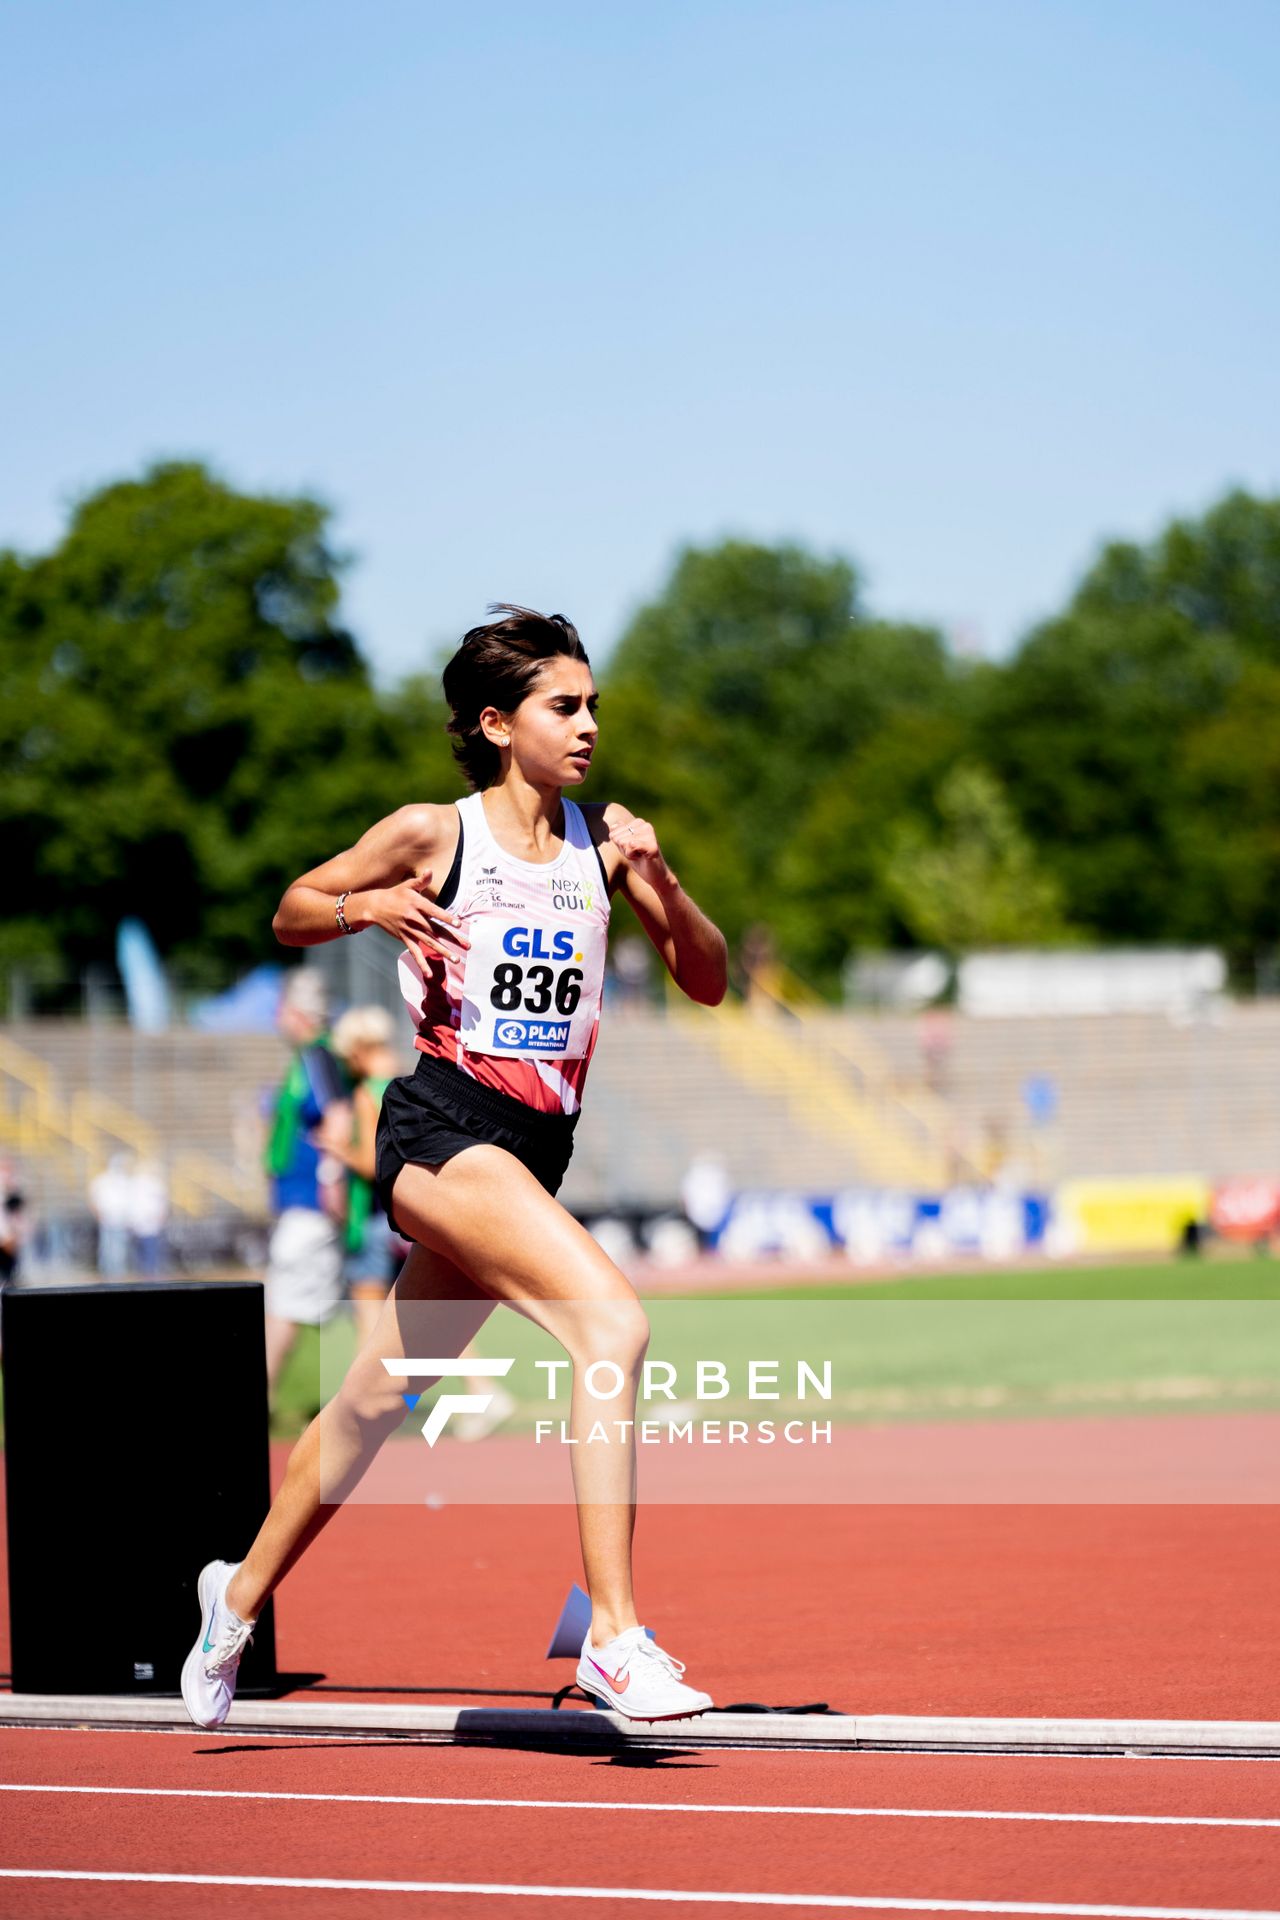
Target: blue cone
{"x":571,"y":1627}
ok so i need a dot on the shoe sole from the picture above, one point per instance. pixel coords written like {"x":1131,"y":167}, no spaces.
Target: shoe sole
{"x":206,"y":1597}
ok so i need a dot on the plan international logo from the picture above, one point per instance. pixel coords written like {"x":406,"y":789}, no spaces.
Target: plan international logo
{"x":659,"y":1390}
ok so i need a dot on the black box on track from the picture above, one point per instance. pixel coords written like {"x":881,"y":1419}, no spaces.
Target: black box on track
{"x":135,"y":1451}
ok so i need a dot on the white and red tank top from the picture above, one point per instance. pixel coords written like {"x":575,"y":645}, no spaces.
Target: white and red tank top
{"x":520,"y":1009}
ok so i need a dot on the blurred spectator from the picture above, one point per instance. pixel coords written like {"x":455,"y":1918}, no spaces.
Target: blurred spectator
{"x":937,"y":1037}
{"x":706,"y":1194}
{"x":758,"y":963}
{"x":148,"y":1217}
{"x":111,"y":1203}
{"x":993,"y":1154}
{"x":363,"y":1040}
{"x":304,"y":1258}
{"x":13,"y":1225}
{"x":631,"y":971}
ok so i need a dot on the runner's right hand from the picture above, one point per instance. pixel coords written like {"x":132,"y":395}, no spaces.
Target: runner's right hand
{"x":409,"y":913}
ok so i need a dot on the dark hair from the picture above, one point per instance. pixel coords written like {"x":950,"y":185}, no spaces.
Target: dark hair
{"x":498,"y":666}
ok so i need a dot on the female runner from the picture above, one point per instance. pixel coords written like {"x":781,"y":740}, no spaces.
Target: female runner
{"x":502,"y":901}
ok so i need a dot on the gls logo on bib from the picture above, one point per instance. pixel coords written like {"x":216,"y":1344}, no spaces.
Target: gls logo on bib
{"x":535,"y":943}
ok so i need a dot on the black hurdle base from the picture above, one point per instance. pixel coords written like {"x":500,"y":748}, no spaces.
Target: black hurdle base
{"x":135,"y":1451}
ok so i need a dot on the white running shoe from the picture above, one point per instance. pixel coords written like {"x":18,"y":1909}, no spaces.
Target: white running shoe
{"x":209,"y":1670}
{"x":637,"y":1679}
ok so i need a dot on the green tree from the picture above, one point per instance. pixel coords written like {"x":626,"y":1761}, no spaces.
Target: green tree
{"x":1130,"y":733}
{"x":833,"y":892}
{"x":1221,"y":573}
{"x":185,"y":724}
{"x":976,"y":882}
{"x":1227,"y":837}
{"x":1087,"y":728}
{"x":751,"y":678}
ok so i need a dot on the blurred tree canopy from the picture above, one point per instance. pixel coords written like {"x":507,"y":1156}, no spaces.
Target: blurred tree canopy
{"x":977,"y":882}
{"x":850,"y":782}
{"x":733,"y":704}
{"x":185,"y":725}
{"x":1132,"y":733}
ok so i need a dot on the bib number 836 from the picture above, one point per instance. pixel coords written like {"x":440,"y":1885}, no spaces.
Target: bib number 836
{"x":509,"y":980}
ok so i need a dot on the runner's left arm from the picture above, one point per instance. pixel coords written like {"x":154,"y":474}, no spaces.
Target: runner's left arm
{"x":692,"y":947}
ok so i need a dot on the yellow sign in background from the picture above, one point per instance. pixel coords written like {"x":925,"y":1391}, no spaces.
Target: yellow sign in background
{"x":1129,"y":1216}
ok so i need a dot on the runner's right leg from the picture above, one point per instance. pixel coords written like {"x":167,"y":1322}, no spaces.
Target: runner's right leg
{"x":341,"y":1442}
{"x":280,"y":1335}
{"x":367,"y":1302}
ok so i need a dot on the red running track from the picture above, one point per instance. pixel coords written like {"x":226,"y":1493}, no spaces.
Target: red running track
{"x":629,"y":1844}
{"x":1152,"y":1612}
{"x":1162,"y":1612}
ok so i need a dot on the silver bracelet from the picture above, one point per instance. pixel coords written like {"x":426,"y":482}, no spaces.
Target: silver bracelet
{"x":341,"y":916}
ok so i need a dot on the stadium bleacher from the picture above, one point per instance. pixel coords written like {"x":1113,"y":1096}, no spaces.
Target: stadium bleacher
{"x":1136,"y":1095}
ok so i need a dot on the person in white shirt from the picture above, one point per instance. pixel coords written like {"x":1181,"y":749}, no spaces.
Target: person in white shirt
{"x":111,"y":1202}
{"x":148,"y":1217}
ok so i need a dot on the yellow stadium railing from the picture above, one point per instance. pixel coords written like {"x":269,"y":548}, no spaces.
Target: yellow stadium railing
{"x":37,"y":1122}
{"x":788,"y":1041}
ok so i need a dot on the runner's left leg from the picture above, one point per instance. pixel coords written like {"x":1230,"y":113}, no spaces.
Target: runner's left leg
{"x":487,"y":1213}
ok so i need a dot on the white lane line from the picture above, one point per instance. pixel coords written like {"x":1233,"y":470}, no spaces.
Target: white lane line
{"x":651,"y":1806}
{"x":687,"y":1896}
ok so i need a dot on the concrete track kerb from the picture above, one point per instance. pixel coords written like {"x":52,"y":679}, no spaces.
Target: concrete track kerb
{"x":571,"y":1727}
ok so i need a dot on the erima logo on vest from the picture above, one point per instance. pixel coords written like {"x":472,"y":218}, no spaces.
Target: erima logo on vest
{"x":532,"y":943}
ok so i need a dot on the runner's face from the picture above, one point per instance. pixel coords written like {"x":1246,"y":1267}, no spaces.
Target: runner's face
{"x":553,"y":730}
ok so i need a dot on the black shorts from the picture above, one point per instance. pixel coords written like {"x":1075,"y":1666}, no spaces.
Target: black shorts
{"x":436,"y":1111}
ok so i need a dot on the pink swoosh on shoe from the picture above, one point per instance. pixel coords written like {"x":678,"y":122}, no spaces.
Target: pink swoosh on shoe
{"x":618,"y":1685}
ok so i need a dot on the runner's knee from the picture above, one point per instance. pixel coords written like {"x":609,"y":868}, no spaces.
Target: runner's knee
{"x":372,"y":1400}
{"x":617,"y":1331}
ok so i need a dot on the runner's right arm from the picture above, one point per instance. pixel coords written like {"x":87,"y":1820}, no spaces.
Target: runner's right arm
{"x":387,"y":878}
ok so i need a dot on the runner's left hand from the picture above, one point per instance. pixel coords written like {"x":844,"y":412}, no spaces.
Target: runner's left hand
{"x":637,"y":842}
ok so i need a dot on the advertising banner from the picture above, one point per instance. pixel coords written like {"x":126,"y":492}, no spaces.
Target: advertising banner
{"x":870,"y":1224}
{"x":1128,"y":1216}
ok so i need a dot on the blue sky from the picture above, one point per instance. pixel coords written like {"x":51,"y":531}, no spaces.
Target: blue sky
{"x":532,"y":295}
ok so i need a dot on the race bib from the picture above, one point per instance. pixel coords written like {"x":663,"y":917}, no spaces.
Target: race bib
{"x":531,"y":989}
